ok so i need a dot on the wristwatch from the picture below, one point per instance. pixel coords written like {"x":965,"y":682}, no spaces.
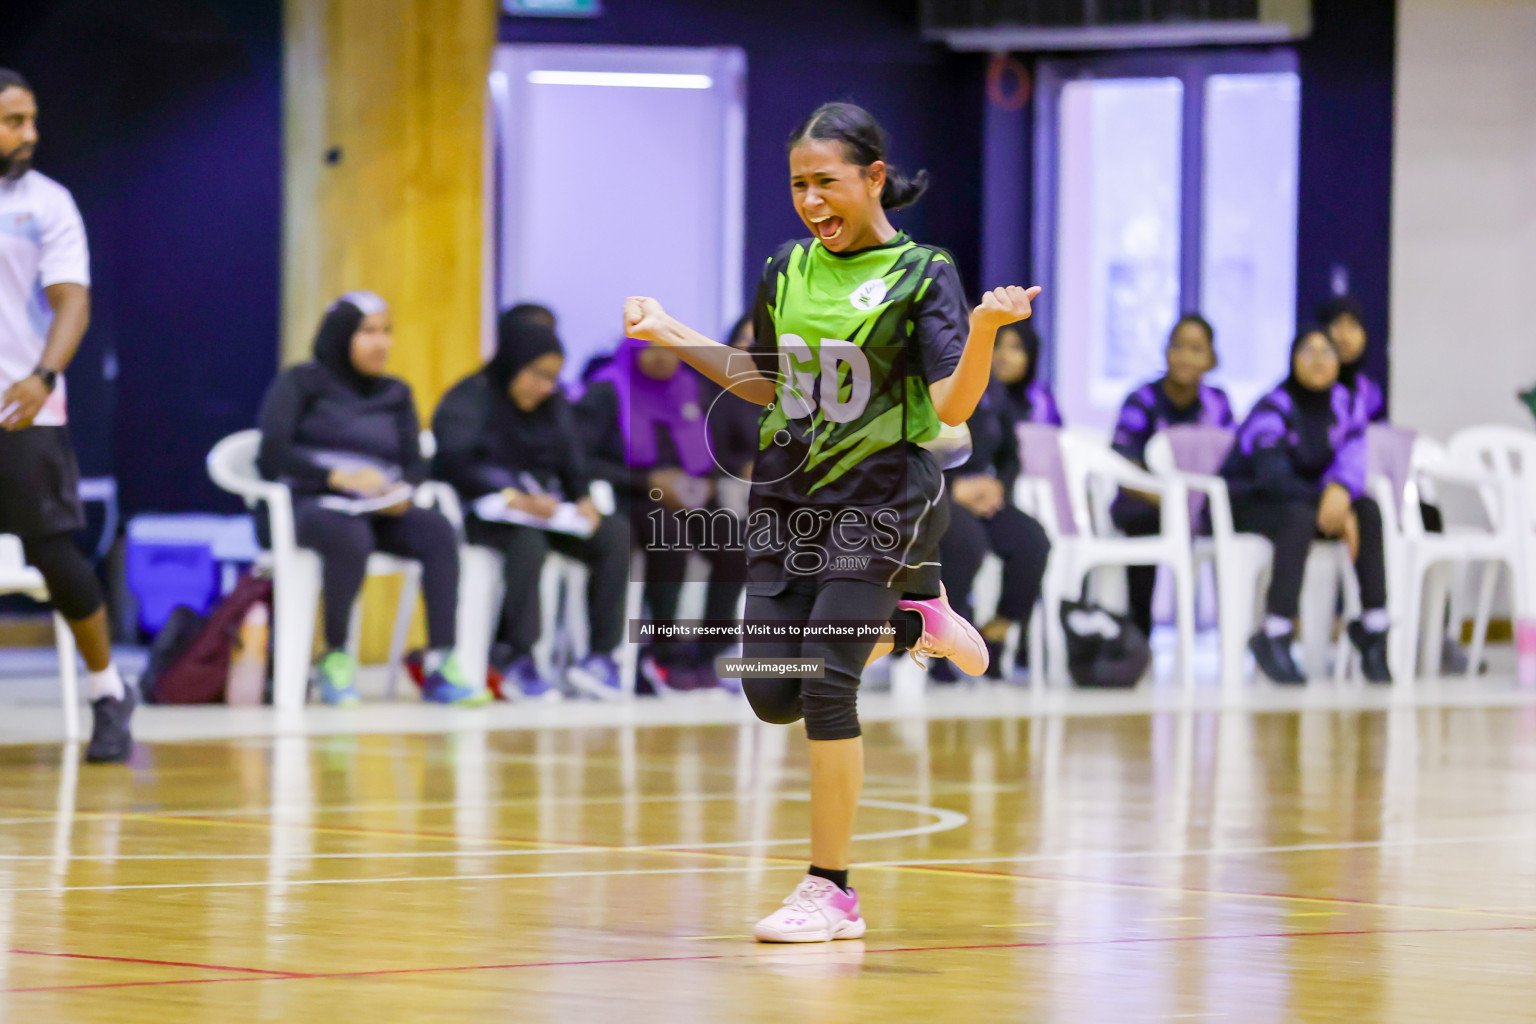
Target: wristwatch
{"x":50,"y":378}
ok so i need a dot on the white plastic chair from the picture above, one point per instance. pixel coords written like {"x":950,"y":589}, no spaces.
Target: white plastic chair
{"x":1509,"y":454}
{"x":296,"y":574}
{"x":1427,"y":562}
{"x":1086,"y":466}
{"x":17,"y":577}
{"x":1242,"y":562}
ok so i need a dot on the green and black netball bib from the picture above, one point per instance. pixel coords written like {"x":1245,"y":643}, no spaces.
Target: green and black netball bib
{"x":853,"y":341}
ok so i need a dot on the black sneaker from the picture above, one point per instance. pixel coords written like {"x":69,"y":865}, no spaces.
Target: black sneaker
{"x":1273,"y":653}
{"x":1373,"y":653}
{"x":111,"y":739}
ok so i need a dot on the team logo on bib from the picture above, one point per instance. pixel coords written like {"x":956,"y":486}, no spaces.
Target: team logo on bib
{"x":869,"y":294}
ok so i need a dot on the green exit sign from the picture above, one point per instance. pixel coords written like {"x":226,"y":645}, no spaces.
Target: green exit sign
{"x":554,"y":8}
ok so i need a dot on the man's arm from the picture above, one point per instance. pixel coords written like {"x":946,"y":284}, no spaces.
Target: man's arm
{"x":71,"y":315}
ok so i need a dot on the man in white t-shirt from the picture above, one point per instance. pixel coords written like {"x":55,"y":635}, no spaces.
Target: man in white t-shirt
{"x":45,"y":305}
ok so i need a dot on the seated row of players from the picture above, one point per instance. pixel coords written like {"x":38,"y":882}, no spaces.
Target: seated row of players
{"x":340,"y":426}
{"x":1296,"y":473}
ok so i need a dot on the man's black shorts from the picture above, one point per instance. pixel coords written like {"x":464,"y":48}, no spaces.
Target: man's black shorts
{"x":39,"y":483}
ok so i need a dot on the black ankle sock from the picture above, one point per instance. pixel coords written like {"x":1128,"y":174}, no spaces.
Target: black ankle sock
{"x":838,"y":878}
{"x":909,"y":629}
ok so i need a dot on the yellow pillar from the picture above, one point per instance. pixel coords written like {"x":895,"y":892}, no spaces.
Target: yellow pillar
{"x":385,"y":152}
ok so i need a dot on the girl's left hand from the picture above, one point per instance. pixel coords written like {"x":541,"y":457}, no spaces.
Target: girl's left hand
{"x":1002,"y":306}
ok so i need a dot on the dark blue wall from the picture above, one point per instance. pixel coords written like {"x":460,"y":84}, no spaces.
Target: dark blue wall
{"x":164,"y":118}
{"x":801,"y":53}
{"x":1347,"y":74}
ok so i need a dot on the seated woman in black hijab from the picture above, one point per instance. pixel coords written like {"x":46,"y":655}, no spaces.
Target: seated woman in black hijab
{"x":1297,"y":473}
{"x":1344,"y":319}
{"x":652,"y":430}
{"x":983,"y":520}
{"x":509,"y":430}
{"x":338,"y":428}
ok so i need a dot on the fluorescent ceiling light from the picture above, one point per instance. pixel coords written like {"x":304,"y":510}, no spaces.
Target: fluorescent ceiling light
{"x":622,"y":79}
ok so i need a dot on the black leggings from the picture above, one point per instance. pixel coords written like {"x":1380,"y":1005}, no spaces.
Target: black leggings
{"x":344,"y":543}
{"x":666,"y":568}
{"x":829,"y":705}
{"x":1015,"y":538}
{"x":1291,"y":525}
{"x":523,"y":549}
{"x":1138,"y":517}
{"x":72,"y":586}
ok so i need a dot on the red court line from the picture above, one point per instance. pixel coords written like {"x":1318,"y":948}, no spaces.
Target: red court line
{"x":619,"y":961}
{"x":155,"y":963}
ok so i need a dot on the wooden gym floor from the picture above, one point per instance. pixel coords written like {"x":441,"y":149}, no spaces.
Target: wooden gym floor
{"x":1304,"y":865}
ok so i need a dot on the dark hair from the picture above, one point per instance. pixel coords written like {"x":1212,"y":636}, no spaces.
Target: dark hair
{"x":1200,"y":322}
{"x":1307,"y":330}
{"x":1331,"y":309}
{"x":534,"y":311}
{"x":740,"y":325}
{"x":864,"y":142}
{"x":12,"y":80}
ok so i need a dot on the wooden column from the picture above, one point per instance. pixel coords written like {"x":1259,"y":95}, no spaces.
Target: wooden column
{"x":385,"y":121}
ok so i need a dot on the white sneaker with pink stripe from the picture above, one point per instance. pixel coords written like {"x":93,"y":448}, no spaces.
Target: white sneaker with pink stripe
{"x":817,"y":911}
{"x":947,"y":635}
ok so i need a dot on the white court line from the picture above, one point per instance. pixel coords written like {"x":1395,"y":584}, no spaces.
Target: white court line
{"x":943,"y":821}
{"x":744,"y":868}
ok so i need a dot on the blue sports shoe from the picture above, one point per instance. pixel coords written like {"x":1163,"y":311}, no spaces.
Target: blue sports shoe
{"x":447,"y":685}
{"x":596,"y":675}
{"x":521,"y":681}
{"x":337,"y":676}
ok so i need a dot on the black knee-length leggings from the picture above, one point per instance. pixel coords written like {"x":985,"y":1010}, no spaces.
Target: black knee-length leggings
{"x":1291,"y":525}
{"x":829,"y":705}
{"x":72,"y":585}
{"x":344,"y":543}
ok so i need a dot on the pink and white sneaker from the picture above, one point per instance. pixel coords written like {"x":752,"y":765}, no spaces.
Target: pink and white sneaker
{"x":817,"y":911}
{"x":947,"y":635}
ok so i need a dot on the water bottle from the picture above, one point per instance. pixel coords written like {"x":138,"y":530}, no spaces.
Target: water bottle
{"x":247,"y":683}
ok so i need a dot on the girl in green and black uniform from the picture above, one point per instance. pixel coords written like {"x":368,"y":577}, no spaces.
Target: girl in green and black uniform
{"x":863,"y":347}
